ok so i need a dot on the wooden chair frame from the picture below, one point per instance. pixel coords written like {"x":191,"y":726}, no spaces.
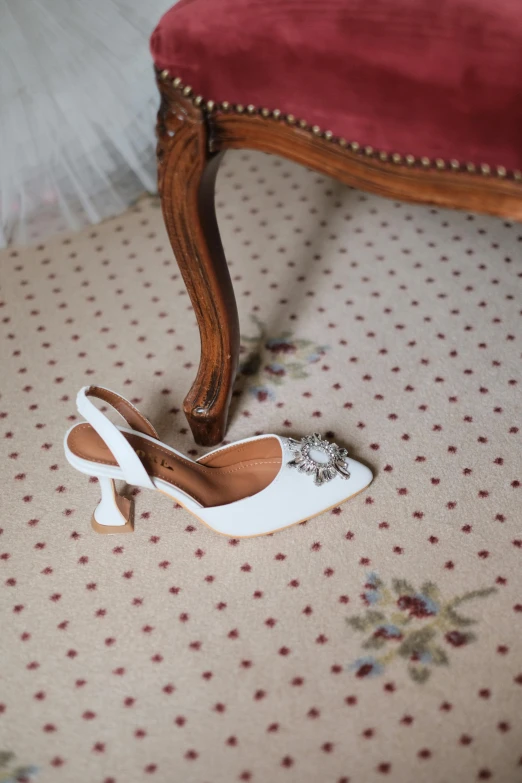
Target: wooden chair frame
{"x":193,"y":134}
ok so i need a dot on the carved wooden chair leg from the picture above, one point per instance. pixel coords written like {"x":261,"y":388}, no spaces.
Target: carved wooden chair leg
{"x":187,"y":173}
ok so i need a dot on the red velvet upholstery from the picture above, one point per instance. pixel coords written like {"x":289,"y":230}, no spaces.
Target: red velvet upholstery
{"x":441,"y":79}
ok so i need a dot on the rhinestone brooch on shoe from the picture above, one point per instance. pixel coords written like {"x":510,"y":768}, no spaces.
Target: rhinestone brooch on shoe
{"x":333,"y":462}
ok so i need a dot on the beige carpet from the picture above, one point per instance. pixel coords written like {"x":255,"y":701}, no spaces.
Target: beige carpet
{"x":381,"y":641}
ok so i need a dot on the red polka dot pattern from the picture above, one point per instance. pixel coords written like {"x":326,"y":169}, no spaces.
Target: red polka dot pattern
{"x":178,"y":654}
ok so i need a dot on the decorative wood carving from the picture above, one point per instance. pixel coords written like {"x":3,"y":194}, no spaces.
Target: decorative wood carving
{"x":186,"y":174}
{"x":192,"y":136}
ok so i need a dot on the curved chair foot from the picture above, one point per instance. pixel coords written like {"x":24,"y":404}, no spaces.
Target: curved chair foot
{"x":187,"y":173}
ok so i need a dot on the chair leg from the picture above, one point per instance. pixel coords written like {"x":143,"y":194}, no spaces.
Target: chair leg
{"x":187,"y":173}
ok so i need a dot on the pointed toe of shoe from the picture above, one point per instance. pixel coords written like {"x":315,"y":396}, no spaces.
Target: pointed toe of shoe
{"x":292,"y":497}
{"x":360,"y":476}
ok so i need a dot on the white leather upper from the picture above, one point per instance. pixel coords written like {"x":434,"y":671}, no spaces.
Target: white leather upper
{"x":291,"y":497}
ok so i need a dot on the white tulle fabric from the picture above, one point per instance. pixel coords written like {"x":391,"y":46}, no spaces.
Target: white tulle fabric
{"x":77,"y":106}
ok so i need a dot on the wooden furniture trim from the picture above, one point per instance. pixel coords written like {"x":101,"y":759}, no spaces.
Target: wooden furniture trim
{"x":192,"y":135}
{"x":232,"y":127}
{"x":441,"y":187}
{"x":186,"y":179}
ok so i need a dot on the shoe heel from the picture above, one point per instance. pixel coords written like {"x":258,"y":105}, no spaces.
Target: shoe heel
{"x":114,"y":513}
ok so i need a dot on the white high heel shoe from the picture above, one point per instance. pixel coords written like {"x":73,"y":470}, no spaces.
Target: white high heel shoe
{"x":249,"y":488}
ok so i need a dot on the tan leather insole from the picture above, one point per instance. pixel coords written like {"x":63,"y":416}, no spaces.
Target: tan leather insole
{"x":232,"y":474}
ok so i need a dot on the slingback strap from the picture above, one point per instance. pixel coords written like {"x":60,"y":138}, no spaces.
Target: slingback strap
{"x":122,"y":451}
{"x":126,"y":409}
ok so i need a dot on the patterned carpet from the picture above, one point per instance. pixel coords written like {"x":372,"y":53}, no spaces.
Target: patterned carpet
{"x":380,"y":641}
